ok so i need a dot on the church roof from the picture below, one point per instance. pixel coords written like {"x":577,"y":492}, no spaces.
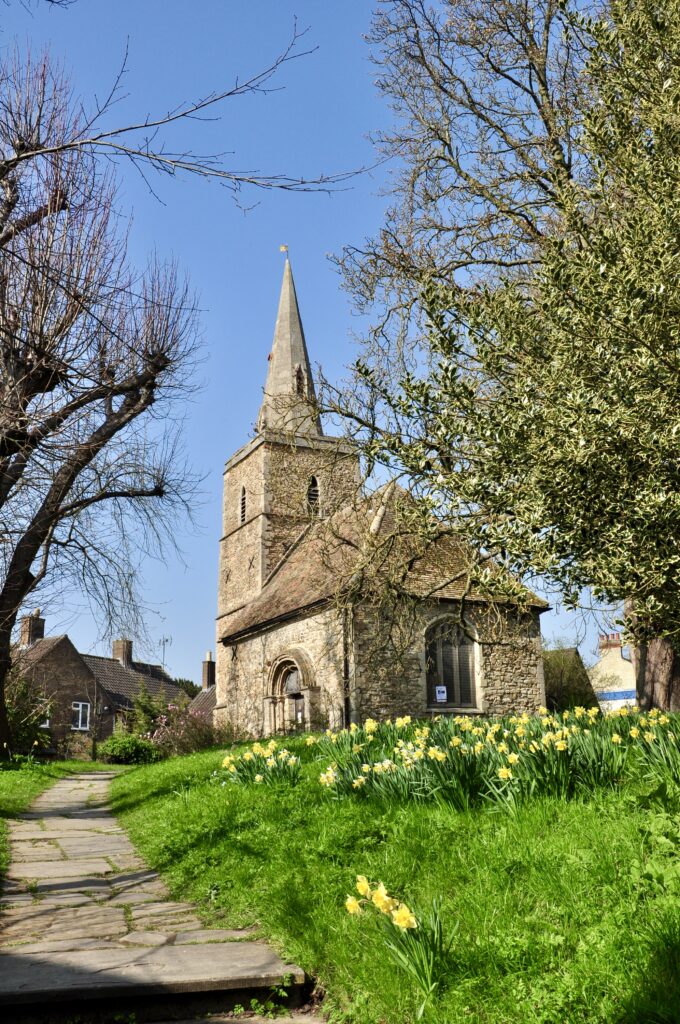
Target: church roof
{"x":289,"y":398}
{"x":344,"y":552}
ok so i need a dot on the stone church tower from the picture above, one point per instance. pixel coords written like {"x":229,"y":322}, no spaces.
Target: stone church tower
{"x":286,"y":476}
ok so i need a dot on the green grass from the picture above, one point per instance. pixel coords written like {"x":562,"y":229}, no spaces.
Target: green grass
{"x":563,"y":911}
{"x":21,"y":783}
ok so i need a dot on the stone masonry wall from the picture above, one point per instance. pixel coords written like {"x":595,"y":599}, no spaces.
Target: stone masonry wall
{"x":244,"y":673}
{"x":288,"y":472}
{"x":241,"y":566}
{"x":509,"y":672}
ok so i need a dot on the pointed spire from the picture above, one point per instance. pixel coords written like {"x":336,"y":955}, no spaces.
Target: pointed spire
{"x":289,"y":397}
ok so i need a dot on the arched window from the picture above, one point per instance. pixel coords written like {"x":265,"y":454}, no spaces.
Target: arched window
{"x":242,"y":507}
{"x":299,"y":381}
{"x":314,"y":496}
{"x":450,"y":666}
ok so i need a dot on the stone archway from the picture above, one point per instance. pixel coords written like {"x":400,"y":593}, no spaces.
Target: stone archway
{"x":291,"y":694}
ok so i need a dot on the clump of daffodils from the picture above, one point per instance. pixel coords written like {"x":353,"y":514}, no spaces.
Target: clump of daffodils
{"x":263,"y":764}
{"x":378,"y":897}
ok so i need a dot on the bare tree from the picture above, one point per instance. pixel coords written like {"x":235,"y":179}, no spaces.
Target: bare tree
{"x":486,"y":101}
{"x":94,"y":362}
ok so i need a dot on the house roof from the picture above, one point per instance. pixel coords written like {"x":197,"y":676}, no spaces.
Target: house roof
{"x":29,"y":656}
{"x":204,"y":702}
{"x":357,"y":544}
{"x":122,"y":683}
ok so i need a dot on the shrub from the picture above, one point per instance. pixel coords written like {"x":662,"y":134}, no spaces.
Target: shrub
{"x":182,"y":731}
{"x":27,"y":709}
{"x":126,"y":748}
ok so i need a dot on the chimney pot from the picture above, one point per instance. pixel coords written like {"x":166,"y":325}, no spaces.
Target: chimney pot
{"x":32,"y":629}
{"x":208,"y":673}
{"x":122,"y":651}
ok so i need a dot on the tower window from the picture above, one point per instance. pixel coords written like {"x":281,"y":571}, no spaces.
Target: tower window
{"x":242,"y":506}
{"x":299,"y":381}
{"x":313,"y":496}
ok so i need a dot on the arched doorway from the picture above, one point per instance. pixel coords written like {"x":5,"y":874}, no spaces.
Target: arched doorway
{"x":288,"y":700}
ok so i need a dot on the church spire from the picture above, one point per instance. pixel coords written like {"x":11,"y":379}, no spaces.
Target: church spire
{"x":289,"y":397}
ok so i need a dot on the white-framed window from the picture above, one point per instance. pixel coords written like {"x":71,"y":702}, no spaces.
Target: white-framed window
{"x":80,"y":715}
{"x":450,"y":665}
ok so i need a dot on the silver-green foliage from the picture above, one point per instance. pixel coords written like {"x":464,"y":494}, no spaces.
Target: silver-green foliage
{"x":546,"y":426}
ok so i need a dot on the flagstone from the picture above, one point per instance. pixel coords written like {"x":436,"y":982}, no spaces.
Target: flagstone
{"x":51,"y":869}
{"x":83,"y":918}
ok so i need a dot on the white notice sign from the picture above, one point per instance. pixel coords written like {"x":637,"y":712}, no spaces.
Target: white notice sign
{"x":440,"y":694}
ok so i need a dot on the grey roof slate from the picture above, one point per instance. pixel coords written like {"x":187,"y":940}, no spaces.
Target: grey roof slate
{"x":123,"y":683}
{"x":204,"y":702}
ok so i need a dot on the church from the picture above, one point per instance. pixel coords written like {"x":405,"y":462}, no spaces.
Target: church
{"x":303,"y":638}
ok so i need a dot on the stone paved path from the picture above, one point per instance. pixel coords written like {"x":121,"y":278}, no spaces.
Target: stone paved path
{"x":81,"y":916}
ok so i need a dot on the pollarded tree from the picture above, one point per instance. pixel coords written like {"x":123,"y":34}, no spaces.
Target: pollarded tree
{"x":546,"y":428}
{"x":94,"y":359}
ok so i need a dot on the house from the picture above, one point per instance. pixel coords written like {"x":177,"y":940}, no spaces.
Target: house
{"x":297,"y":647}
{"x":88,"y":694}
{"x":613,"y":675}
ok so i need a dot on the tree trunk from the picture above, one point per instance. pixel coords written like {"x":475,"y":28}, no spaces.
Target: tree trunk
{"x":5,"y":663}
{"x":657,"y":675}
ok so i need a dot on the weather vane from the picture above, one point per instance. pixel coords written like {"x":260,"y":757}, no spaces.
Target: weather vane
{"x":283,"y":248}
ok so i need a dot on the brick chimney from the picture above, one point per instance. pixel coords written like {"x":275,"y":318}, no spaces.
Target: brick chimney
{"x":609,"y":641}
{"x":208,"y":676}
{"x":122,"y":651}
{"x":32,"y":629}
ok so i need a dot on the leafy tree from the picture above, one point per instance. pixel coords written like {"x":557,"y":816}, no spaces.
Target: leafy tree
{"x":191,"y":689}
{"x":146,"y":710}
{"x":544,"y":428}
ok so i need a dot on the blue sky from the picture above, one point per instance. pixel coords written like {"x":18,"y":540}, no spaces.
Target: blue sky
{"x":317,"y":121}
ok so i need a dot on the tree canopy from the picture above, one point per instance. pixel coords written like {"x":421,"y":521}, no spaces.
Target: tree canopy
{"x":540,"y":418}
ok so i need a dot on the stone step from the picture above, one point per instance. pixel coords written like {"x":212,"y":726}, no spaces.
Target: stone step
{"x":153,"y":982}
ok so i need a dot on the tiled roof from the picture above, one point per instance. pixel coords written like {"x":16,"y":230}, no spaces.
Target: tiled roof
{"x":122,"y":683}
{"x":204,"y":702}
{"x":29,"y":656}
{"x":328,"y":556}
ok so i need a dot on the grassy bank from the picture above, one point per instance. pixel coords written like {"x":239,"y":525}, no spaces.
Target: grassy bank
{"x":559,"y":909}
{"x":22,"y":782}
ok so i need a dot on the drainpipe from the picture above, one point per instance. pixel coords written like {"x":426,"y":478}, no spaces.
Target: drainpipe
{"x":345,"y":667}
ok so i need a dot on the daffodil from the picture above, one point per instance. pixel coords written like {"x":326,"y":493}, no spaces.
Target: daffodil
{"x":616,"y":738}
{"x":352,"y":904}
{"x":504,"y":773}
{"x":363,"y":886}
{"x":382,"y":900}
{"x":403,"y":918}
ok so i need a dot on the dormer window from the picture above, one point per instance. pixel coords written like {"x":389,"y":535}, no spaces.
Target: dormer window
{"x":242,"y":506}
{"x":314,"y":497}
